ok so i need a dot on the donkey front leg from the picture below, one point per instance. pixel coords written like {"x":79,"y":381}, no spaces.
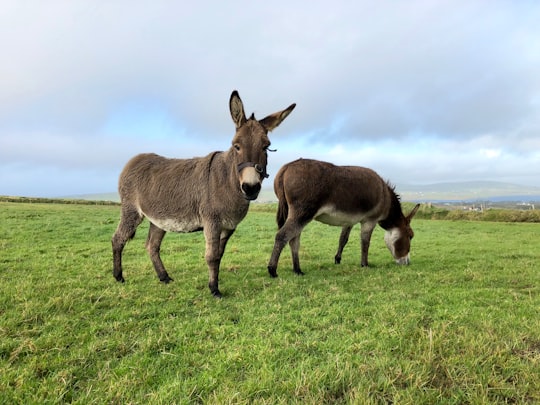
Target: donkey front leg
{"x":153,"y":244}
{"x":343,"y":239}
{"x":224,"y":238}
{"x":366,"y":229}
{"x":216,"y":241}
{"x":129,"y":222}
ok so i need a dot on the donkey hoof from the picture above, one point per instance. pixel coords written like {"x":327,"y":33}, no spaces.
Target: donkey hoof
{"x":165,"y":279}
{"x":272,"y":271}
{"x":299,"y":272}
{"x":337,"y":260}
{"x":120,"y":278}
{"x":217,"y":294}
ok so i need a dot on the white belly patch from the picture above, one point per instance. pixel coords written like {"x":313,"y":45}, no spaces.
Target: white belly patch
{"x":328,"y":214}
{"x":176,"y":225}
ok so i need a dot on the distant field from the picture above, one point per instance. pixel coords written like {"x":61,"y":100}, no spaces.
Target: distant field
{"x":459,"y":325}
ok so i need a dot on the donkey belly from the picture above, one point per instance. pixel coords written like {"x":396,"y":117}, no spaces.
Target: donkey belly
{"x":177,"y":224}
{"x":190,"y":224}
{"x":331,"y":216}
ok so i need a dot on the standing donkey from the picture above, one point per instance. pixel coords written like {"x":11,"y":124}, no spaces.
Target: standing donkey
{"x":340,"y":196}
{"x":209,"y":194}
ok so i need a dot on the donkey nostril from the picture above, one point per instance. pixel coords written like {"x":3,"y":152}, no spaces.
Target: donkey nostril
{"x":251,"y":190}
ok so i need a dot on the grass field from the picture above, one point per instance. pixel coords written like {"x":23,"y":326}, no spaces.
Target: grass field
{"x":461,"y":324}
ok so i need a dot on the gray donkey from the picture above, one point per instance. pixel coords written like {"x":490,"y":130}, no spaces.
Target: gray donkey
{"x":209,"y":194}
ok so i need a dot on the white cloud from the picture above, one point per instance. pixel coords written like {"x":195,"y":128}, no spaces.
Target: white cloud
{"x":490,"y":153}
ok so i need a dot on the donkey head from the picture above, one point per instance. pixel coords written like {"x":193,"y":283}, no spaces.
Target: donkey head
{"x":250,"y":145}
{"x":398,"y":239}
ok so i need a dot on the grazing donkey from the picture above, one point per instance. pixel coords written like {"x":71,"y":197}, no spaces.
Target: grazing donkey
{"x":340,"y":196}
{"x":209,"y":194}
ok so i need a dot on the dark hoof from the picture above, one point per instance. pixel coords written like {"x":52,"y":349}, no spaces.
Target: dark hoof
{"x":217,"y":294}
{"x":165,"y":279}
{"x":299,"y":272}
{"x":337,"y":260}
{"x":272,"y":272}
{"x":120,"y":279}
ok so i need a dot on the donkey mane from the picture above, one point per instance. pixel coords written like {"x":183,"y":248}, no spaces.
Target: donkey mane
{"x":395,"y":213}
{"x":212,"y":156}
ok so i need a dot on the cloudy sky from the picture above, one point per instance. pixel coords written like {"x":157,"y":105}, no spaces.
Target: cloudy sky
{"x":421,"y":91}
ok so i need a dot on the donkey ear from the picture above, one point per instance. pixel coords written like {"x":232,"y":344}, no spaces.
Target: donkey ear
{"x":413,"y":212}
{"x":273,"y":120}
{"x":237,"y":109}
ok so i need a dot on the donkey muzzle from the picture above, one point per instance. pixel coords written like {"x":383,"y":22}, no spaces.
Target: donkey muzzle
{"x":251,"y":191}
{"x":403,"y":261}
{"x":250,"y":180}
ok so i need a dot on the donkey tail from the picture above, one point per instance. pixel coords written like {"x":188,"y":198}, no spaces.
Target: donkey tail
{"x":282,"y":213}
{"x":283,"y":207}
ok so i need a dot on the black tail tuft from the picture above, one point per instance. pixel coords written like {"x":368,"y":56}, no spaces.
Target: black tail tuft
{"x":283,"y":207}
{"x":282,"y":212}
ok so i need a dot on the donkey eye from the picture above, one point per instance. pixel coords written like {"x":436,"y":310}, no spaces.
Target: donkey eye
{"x":237,"y":147}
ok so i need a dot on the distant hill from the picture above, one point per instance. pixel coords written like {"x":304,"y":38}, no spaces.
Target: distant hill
{"x":266,"y":196}
{"x":469,"y":191}
{"x":113,"y":196}
{"x":459,"y":191}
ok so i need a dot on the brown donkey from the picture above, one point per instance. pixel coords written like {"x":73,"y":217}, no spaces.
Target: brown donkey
{"x":340,"y":196}
{"x":209,"y":194}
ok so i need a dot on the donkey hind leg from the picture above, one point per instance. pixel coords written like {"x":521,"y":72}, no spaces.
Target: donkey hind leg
{"x":129,"y":221}
{"x":294,"y":244}
{"x":290,"y":230}
{"x":216,"y":241}
{"x":153,"y":244}
{"x":366,"y":229}
{"x":343,"y":239}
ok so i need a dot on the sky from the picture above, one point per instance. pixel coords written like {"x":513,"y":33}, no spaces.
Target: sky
{"x":420,"y":91}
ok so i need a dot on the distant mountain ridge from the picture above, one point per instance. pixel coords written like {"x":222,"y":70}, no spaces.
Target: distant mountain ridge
{"x":470,"y":191}
{"x":113,"y":196}
{"x":457,"y":191}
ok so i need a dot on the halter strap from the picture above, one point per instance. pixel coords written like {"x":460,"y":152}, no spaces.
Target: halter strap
{"x":257,"y":167}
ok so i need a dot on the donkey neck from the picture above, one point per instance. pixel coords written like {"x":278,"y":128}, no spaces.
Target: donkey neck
{"x":395,"y":215}
{"x":220,"y":165}
{"x":226,"y":173}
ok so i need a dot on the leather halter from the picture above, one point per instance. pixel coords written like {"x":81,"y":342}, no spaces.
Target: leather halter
{"x":257,"y":167}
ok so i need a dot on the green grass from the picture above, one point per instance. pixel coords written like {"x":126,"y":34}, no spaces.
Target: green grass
{"x":459,"y":325}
